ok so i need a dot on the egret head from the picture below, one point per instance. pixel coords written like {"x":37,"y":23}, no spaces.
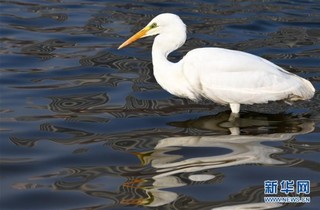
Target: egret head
{"x":163,"y":23}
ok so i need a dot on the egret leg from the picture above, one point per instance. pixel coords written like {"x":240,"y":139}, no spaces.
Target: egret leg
{"x":233,"y":117}
{"x":234,"y":126}
{"x":235,"y":108}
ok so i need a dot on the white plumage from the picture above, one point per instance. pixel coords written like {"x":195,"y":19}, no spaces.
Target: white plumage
{"x":221,"y":75}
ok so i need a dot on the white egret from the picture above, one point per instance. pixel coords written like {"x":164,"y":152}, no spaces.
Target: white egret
{"x":221,"y":75}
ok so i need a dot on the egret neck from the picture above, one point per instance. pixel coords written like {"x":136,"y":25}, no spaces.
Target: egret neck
{"x":168,"y":74}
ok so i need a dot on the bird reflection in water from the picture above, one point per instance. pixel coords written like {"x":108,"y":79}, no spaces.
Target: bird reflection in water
{"x":172,"y":169}
{"x":165,"y":163}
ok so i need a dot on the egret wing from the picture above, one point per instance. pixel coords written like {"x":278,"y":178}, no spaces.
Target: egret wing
{"x":228,"y":76}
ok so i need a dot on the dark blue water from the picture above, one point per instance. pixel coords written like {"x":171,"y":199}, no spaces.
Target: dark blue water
{"x":86,"y":126}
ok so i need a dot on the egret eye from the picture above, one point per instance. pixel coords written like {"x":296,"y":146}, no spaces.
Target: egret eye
{"x":153,"y":25}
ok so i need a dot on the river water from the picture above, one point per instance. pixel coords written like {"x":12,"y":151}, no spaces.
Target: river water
{"x":86,"y":126}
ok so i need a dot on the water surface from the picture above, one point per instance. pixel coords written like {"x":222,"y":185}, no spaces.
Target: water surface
{"x":86,"y":126}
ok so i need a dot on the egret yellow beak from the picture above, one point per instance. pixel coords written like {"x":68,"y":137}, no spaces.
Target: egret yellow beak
{"x":135,"y":37}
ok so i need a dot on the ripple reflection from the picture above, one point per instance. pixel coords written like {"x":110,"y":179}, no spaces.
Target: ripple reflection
{"x":170,"y":161}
